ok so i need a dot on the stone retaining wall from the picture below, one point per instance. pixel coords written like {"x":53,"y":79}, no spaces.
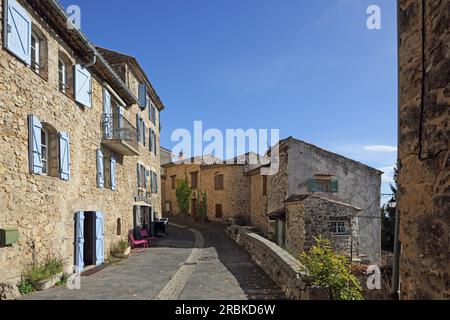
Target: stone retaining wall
{"x":283,"y":268}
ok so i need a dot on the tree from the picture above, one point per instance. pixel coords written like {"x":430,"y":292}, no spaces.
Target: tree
{"x":183,"y":194}
{"x":332,"y":271}
{"x":203,"y":207}
{"x":388,"y":216}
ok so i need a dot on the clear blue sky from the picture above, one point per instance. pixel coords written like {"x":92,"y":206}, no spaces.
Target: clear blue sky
{"x":309,"y":68}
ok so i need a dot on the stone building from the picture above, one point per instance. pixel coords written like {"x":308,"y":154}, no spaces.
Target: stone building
{"x":238,"y":189}
{"x":79,"y":130}
{"x":226,"y":186}
{"x":424,"y":144}
{"x":308,"y":169}
{"x":308,"y":216}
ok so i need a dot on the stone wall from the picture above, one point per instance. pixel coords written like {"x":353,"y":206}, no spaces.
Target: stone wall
{"x":258,"y":204}
{"x":424,"y":166}
{"x":42,"y":208}
{"x":283,"y":268}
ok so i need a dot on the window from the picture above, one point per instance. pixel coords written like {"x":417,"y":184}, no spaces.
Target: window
{"x":194,"y":180}
{"x":219,"y":212}
{"x":35,"y":53}
{"x":62,"y":76}
{"x":119,"y":227}
{"x":174,"y":182}
{"x":323,"y":183}
{"x":44,"y":152}
{"x":338,"y":227}
{"x":218,"y":182}
{"x":264,"y":185}
{"x":323,"y":186}
{"x":65,"y":74}
{"x":49,"y":150}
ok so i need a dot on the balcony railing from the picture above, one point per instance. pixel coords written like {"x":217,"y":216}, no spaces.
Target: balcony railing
{"x":119,"y":135}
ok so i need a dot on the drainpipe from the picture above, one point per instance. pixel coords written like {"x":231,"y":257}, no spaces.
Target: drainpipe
{"x":93,"y":62}
{"x":397,"y":248}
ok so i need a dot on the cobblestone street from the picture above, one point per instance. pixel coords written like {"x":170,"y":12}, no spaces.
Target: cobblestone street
{"x":194,"y":261}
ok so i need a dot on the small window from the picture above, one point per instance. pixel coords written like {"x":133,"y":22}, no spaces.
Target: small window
{"x":194,"y":180}
{"x":65,"y":74}
{"x":218,"y":182}
{"x":39,"y":52}
{"x":62,"y":76}
{"x":338,"y":227}
{"x":44,"y":151}
{"x":219,"y":212}
{"x":323,"y":186}
{"x":119,"y":227}
{"x":174,"y":182}
{"x":35,"y":53}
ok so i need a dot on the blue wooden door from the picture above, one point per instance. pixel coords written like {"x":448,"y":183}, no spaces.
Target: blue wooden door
{"x":99,"y":239}
{"x":79,"y":242}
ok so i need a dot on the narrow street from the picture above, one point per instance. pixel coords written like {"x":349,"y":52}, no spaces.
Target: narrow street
{"x":195,"y":261}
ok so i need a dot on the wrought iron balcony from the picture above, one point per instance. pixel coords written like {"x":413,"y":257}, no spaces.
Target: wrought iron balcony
{"x":119,"y":135}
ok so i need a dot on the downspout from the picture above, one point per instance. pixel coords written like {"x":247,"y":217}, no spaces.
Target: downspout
{"x":396,"y":263}
{"x":93,"y":62}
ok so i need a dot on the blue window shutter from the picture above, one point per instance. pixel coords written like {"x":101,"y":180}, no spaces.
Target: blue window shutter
{"x":311,"y":185}
{"x":138,"y":175}
{"x":156,"y":182}
{"x":155,"y":146}
{"x":34,"y":144}
{"x":100,"y":169}
{"x":113,"y":163}
{"x":142,"y":95}
{"x":83,"y":86}
{"x":64,"y":156}
{"x":138,"y":128}
{"x":144,"y":129}
{"x":79,"y":242}
{"x":150,"y":138}
{"x":334,"y":185}
{"x":18,"y":31}
{"x":107,"y":114}
{"x":99,"y":239}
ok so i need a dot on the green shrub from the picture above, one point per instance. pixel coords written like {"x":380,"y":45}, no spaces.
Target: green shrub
{"x":203,"y":207}
{"x":25,"y":287}
{"x":45,"y":271}
{"x":183,"y":194}
{"x":121,"y":246}
{"x":63,"y":281}
{"x":332,"y":271}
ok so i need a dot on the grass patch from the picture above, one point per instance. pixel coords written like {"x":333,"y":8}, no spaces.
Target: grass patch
{"x":45,"y":271}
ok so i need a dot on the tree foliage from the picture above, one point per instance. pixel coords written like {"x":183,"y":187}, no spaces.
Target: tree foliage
{"x":331,"y":270}
{"x":183,"y":194}
{"x":388,"y":216}
{"x":203,"y":206}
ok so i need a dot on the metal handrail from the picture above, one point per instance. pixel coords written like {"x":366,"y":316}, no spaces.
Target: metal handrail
{"x":117,"y":127}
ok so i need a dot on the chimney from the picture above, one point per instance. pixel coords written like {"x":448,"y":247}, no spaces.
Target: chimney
{"x":181,"y":157}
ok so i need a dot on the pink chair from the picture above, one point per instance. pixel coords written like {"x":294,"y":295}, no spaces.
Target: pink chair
{"x":135,"y":243}
{"x":145,"y":236}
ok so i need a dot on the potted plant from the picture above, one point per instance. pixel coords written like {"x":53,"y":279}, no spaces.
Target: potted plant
{"x":121,"y":250}
{"x":46,"y":275}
